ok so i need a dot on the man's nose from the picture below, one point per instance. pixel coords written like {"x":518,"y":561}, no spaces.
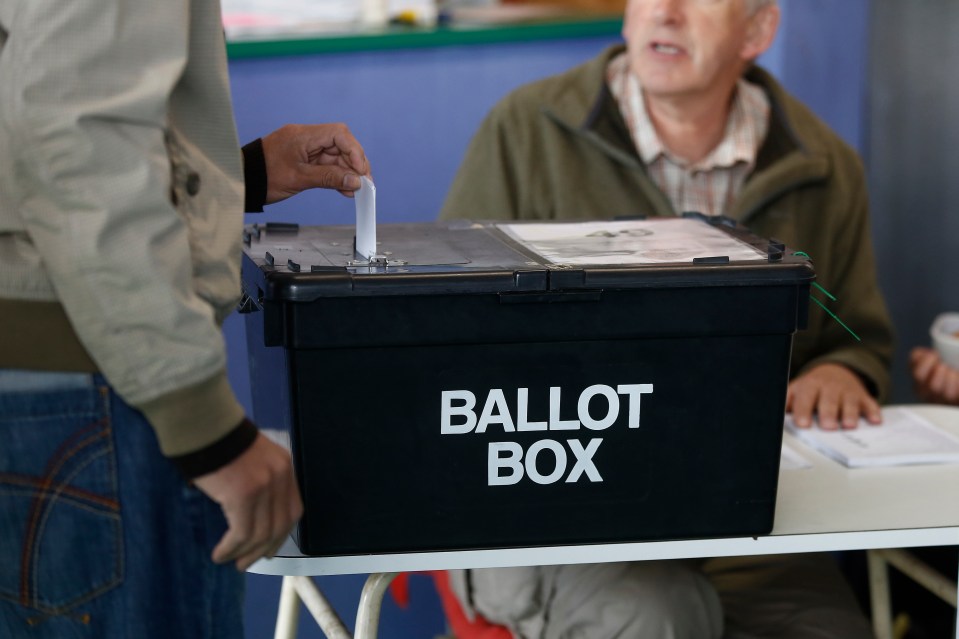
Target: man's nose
{"x":666,"y":11}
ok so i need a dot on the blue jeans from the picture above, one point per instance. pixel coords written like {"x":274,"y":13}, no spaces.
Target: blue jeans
{"x":99,"y":535}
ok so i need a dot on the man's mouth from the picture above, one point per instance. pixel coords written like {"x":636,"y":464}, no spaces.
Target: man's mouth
{"x":665,"y":49}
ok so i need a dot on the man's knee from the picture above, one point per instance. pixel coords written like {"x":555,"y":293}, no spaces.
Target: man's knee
{"x":663,"y":599}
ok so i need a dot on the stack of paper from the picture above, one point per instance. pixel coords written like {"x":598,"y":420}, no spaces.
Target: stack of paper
{"x":903,"y":438}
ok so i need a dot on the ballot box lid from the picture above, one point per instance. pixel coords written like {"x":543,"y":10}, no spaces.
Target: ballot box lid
{"x":295,"y":264}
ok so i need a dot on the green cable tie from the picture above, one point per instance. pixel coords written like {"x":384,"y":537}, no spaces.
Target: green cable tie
{"x":833,"y":315}
{"x":828,"y":294}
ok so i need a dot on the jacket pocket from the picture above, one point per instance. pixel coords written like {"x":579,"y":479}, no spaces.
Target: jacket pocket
{"x":59,"y":511}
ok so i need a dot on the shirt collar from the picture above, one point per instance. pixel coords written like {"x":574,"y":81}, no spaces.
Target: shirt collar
{"x":746,"y":126}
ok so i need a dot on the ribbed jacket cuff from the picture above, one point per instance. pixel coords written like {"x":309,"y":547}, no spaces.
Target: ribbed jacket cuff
{"x":254,"y":176}
{"x":218,"y":454}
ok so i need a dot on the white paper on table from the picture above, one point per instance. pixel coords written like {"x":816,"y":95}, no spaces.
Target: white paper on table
{"x":790,"y":459}
{"x":904,"y":438}
{"x":658,"y":241}
{"x":365,"y":199}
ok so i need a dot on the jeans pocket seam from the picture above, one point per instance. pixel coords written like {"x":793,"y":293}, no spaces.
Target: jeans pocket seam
{"x":57,"y":488}
{"x":79,"y":600}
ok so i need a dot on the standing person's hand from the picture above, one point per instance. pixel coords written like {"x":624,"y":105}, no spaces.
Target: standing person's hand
{"x":300,"y":157}
{"x":834,"y":394}
{"x":260,"y":500}
{"x":934,"y":380}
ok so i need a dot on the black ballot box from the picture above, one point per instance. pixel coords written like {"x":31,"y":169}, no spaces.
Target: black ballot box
{"x":479,"y":385}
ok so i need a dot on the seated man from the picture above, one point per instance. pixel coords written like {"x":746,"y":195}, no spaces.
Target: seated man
{"x":681,"y":119}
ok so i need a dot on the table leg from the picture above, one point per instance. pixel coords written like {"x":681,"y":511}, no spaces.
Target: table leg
{"x":921,"y":573}
{"x":288,"y":614}
{"x":295,"y":589}
{"x":909,"y":565}
{"x":320,"y":608}
{"x":371,"y":601}
{"x":879,"y":595}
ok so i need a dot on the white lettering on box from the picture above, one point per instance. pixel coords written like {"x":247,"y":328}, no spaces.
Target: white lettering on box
{"x":555,"y":423}
{"x":495,"y":411}
{"x":546,"y":454}
{"x":544,"y":461}
{"x":497,"y":461}
{"x":612,"y":402}
{"x":584,"y":460}
{"x":522,"y":410}
{"x":447,"y":411}
{"x":635,"y":393}
{"x":559,"y":461}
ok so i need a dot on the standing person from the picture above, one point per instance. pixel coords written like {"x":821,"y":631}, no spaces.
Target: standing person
{"x":133,"y":490}
{"x":681,"y":119}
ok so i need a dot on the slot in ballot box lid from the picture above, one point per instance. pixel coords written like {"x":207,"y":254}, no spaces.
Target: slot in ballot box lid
{"x":484,"y":385}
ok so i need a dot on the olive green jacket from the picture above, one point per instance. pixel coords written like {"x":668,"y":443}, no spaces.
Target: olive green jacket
{"x":559,"y":149}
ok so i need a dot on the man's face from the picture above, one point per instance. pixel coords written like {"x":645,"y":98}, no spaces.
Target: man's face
{"x":680,"y":48}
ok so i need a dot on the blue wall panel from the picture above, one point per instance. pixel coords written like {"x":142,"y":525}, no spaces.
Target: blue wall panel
{"x":824,"y":60}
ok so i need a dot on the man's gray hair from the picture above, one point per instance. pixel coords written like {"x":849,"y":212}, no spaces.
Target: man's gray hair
{"x":752,"y":6}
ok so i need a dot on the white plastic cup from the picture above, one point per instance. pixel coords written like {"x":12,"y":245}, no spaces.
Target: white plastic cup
{"x":945,"y":338}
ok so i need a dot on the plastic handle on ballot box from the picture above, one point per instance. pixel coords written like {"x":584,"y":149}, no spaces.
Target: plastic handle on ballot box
{"x":364,"y":242}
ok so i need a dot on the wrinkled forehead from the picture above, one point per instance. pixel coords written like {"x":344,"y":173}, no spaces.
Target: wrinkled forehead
{"x":751,"y":6}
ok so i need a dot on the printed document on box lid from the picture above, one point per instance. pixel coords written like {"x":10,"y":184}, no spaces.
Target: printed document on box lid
{"x":659,"y":241}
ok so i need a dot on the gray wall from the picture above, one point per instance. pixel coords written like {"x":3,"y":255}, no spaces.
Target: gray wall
{"x":912,"y":154}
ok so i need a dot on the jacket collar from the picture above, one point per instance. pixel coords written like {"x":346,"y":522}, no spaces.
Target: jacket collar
{"x":788,"y":158}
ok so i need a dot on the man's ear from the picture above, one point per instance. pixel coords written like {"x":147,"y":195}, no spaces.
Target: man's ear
{"x":627,"y":21}
{"x":760,"y":32}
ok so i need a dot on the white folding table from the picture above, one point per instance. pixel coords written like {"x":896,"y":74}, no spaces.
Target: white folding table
{"x":825,"y":507}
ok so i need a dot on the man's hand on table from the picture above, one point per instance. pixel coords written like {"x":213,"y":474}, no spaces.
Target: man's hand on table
{"x":834,"y":394}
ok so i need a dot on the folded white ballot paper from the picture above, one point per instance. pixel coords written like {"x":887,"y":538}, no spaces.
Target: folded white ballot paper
{"x":904,"y":438}
{"x":365,"y":199}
